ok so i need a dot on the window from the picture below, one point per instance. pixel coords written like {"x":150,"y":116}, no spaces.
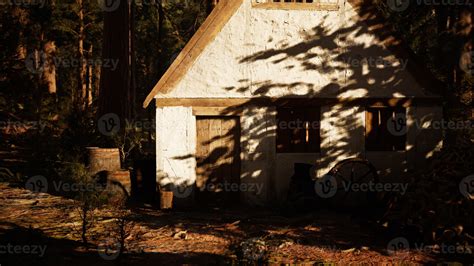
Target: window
{"x":298,"y":130}
{"x":385,"y":129}
{"x":292,"y":1}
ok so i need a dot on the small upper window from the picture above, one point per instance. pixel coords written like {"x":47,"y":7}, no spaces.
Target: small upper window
{"x":298,"y":4}
{"x":386,"y":129}
{"x":292,"y":1}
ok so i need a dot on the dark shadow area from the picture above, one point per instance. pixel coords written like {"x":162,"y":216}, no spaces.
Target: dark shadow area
{"x":143,"y":178}
{"x":31,"y":247}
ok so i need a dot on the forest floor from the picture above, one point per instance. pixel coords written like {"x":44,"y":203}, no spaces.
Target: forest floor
{"x":31,"y":224}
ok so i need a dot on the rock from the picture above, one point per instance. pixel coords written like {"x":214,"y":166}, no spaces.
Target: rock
{"x":349,"y":250}
{"x":181,"y":235}
{"x":285,"y":244}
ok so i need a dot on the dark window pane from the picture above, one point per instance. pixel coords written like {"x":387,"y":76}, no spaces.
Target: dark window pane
{"x":298,"y":130}
{"x":385,"y":129}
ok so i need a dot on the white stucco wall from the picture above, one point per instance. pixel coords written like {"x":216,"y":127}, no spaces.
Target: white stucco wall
{"x":277,"y":53}
{"x":258,"y":125}
{"x":342,"y":137}
{"x":175,"y":146}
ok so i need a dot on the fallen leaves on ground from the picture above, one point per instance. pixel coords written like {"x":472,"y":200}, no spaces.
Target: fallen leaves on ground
{"x":195,"y":236}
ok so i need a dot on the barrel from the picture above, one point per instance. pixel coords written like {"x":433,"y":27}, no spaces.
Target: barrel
{"x":122,"y":177}
{"x":166,"y":200}
{"x":101,"y":159}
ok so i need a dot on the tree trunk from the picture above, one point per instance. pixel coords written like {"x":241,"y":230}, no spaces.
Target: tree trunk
{"x":115,"y":92}
{"x":463,"y":34}
{"x":49,"y":68}
{"x":96,"y":81}
{"x":21,"y":16}
{"x":132,"y":95}
{"x":82,"y":71}
{"x":90,"y":76}
{"x":457,"y":39}
{"x":161,"y":19}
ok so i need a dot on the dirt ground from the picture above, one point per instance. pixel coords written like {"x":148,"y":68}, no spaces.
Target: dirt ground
{"x":52,"y":224}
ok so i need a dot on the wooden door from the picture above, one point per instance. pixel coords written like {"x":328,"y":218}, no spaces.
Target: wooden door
{"x":218,"y":159}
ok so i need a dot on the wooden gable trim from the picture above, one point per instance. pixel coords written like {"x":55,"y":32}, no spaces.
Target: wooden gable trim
{"x":225,"y":105}
{"x":296,"y":6}
{"x":203,"y":36}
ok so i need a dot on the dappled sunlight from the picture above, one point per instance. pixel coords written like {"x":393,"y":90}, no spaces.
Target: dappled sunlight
{"x":333,"y":54}
{"x":342,"y":135}
{"x":286,"y":132}
{"x":197,"y":236}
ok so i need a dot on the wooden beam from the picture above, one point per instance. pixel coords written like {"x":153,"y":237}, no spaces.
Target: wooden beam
{"x":215,"y":111}
{"x":297,"y":6}
{"x":235,"y":103}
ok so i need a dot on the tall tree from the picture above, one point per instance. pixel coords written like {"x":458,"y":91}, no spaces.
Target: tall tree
{"x":116,"y":92}
{"x":49,"y":67}
{"x":82,"y":70}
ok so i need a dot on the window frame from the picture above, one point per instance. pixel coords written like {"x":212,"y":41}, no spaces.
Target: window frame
{"x":310,"y":143}
{"x":382,"y":140}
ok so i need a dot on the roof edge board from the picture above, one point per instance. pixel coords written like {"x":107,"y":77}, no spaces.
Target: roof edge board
{"x":206,"y":33}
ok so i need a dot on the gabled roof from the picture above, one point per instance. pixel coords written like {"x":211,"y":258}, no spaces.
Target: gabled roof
{"x":213,"y":24}
{"x":225,"y":9}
